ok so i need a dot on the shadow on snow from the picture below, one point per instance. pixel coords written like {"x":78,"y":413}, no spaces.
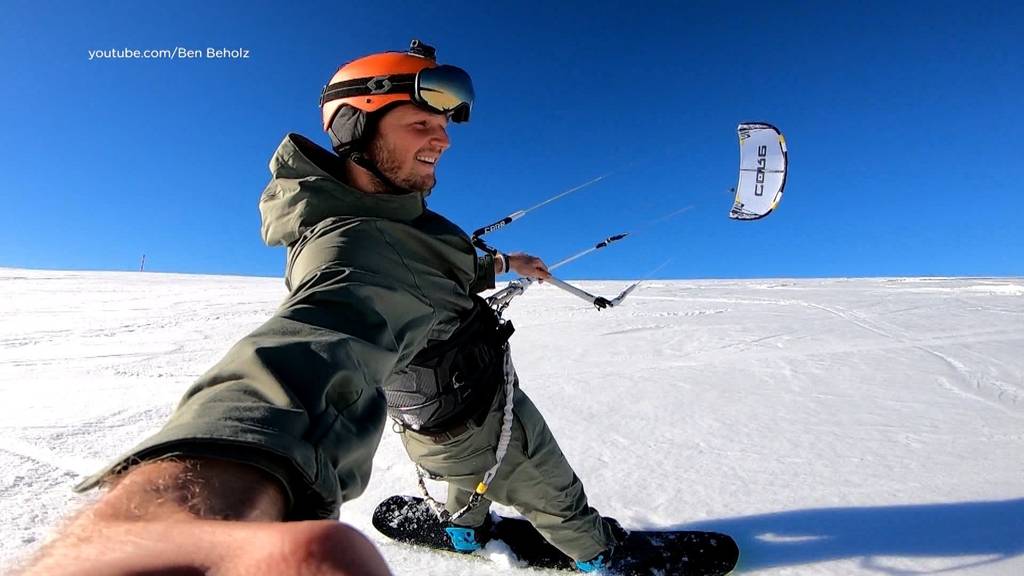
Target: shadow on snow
{"x":992,"y":530}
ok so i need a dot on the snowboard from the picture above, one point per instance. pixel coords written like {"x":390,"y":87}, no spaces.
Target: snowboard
{"x":410,"y":520}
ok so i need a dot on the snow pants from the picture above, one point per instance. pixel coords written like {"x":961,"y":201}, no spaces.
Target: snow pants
{"x":534,"y":477}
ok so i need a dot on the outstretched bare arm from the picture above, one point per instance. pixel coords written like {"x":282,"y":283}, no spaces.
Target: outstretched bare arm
{"x":201,"y":516}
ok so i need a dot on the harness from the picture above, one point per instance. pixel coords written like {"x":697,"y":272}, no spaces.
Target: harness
{"x":454,"y":380}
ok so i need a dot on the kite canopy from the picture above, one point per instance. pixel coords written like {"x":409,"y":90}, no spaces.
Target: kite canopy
{"x":763,"y":165}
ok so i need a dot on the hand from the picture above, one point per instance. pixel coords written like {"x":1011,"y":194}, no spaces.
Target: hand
{"x":530,"y":266}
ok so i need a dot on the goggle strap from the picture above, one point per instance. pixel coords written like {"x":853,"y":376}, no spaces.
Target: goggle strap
{"x":377,"y":85}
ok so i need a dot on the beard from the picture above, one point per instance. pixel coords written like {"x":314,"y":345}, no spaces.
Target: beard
{"x":387,"y":160}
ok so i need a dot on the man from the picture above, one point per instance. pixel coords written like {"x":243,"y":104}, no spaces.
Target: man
{"x":381,"y":319}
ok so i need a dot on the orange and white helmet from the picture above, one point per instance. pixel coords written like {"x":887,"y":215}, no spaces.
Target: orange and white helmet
{"x":366,"y":87}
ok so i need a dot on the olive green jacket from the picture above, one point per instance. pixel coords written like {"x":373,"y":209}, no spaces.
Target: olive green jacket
{"x":371,"y":279}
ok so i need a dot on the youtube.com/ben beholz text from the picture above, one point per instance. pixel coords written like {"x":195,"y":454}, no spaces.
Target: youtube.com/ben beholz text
{"x":176,"y":53}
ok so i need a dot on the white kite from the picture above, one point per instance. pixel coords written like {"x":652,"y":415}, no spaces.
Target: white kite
{"x":763,"y":165}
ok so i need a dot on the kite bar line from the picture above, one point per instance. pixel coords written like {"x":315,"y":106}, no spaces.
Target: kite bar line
{"x":602,"y":244}
{"x":480,"y":232}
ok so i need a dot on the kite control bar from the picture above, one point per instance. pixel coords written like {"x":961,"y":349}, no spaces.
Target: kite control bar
{"x":501,"y":299}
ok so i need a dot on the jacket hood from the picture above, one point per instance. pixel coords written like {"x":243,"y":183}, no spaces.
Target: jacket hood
{"x":307,"y":187}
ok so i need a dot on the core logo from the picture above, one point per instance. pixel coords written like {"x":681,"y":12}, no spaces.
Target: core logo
{"x":494,"y":227}
{"x":762,"y":167}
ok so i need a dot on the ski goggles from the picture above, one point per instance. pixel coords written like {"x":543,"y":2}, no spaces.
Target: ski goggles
{"x":443,"y":89}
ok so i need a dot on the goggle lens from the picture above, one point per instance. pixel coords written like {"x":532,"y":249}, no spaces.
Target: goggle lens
{"x":446,"y":89}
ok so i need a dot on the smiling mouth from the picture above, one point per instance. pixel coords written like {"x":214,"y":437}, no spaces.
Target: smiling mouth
{"x":432,"y":160}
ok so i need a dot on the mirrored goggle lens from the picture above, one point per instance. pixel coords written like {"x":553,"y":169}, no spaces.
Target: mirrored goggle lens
{"x":446,"y":89}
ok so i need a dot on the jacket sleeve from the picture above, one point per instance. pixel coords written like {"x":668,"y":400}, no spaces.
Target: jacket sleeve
{"x":484,"y":279}
{"x":301,"y":395}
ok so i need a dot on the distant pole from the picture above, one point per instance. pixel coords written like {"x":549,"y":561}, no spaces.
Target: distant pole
{"x":142,"y":267}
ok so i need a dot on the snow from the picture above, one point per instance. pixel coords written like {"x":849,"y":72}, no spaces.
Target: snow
{"x":834,"y":427}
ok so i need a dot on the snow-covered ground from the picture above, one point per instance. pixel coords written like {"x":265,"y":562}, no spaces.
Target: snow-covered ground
{"x":832,"y":426}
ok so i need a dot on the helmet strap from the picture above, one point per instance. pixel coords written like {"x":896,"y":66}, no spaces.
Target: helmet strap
{"x":361,"y":160}
{"x":357,"y":130}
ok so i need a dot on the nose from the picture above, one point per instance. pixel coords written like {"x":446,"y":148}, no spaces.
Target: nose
{"x":439,"y":138}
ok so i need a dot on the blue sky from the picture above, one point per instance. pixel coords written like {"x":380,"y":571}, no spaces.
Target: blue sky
{"x":903,"y":122}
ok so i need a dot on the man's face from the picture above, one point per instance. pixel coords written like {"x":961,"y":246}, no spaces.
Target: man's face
{"x":408,"y":144}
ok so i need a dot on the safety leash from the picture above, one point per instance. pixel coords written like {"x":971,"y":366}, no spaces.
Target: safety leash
{"x":503,"y":441}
